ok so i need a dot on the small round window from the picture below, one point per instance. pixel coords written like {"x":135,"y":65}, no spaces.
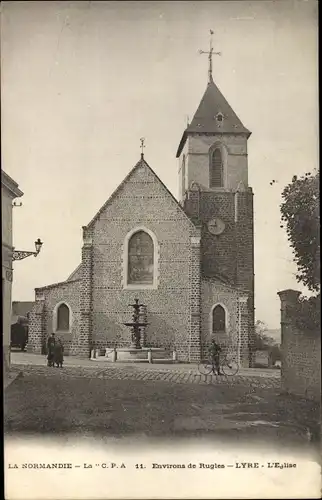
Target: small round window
{"x":220,"y":117}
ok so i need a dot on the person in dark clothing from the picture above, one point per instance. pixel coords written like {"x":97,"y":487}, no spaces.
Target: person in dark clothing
{"x":214,"y":351}
{"x":58,"y":353}
{"x":51,"y":342}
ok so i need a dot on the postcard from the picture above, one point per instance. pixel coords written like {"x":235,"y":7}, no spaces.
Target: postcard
{"x":160,"y":250}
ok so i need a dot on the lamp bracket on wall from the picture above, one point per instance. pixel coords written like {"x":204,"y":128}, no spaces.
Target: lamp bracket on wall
{"x":22,"y":254}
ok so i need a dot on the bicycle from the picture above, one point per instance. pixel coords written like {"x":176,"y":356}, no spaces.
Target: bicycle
{"x":228,"y":364}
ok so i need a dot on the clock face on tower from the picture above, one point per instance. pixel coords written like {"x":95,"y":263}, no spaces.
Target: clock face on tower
{"x":216,"y":226}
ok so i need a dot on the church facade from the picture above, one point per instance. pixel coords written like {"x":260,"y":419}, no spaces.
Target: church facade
{"x":190,"y":262}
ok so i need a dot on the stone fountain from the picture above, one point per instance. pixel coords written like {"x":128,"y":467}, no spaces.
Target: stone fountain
{"x":137,"y":351}
{"x":136,"y":325}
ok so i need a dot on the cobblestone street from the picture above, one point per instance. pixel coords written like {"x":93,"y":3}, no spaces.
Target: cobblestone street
{"x":144,"y":373}
{"x":152,"y":400}
{"x":174,"y":373}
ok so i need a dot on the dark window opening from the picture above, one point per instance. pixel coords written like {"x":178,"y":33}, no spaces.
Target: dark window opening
{"x":63,"y":318}
{"x":218,"y":319}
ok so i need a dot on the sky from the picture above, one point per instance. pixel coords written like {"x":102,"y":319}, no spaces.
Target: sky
{"x":82,"y":82}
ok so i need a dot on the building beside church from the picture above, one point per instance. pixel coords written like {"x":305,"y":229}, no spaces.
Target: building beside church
{"x":9,"y":191}
{"x":20,"y":311}
{"x":191,"y":262}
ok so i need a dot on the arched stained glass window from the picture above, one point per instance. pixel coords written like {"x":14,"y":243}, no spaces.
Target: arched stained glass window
{"x":63,"y":318}
{"x":216,"y":169}
{"x":218,"y":319}
{"x":140,"y":259}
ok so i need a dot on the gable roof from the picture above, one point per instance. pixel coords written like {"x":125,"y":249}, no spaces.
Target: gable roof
{"x":60,"y":283}
{"x":139,"y":164}
{"x":74,"y":273}
{"x":204,"y":120}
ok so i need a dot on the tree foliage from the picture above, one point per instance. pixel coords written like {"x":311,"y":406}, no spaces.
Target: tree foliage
{"x":263,"y":342}
{"x":307,"y":314}
{"x":300,"y":216}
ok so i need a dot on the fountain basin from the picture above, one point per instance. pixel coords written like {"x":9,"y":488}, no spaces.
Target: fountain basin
{"x":132,"y":324}
{"x":131,"y":353}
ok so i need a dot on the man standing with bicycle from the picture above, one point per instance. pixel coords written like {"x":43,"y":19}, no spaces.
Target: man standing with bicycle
{"x":214,"y":351}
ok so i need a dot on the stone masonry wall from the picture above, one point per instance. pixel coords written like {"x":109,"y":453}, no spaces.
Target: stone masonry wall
{"x":301,"y":353}
{"x":214,"y":292}
{"x":245,"y":259}
{"x":229,"y":255}
{"x":42,"y":316}
{"x":219,"y":251}
{"x":142,"y":201}
{"x":37,"y":331}
{"x":246,"y":353}
{"x":85,"y":338}
{"x":235,"y":303}
{"x":76,"y":274}
{"x":194,"y":352}
{"x":197,"y":152}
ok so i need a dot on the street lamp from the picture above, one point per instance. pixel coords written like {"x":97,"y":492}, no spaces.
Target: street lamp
{"x":38,"y":245}
{"x":22,"y":254}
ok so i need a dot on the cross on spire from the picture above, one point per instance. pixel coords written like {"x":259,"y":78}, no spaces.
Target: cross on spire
{"x":142,"y":147}
{"x":210,"y":53}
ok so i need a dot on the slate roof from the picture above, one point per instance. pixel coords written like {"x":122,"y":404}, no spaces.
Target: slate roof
{"x":205,"y":121}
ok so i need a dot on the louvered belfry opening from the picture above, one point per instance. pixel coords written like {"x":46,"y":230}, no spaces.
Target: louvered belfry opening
{"x":216,"y":169}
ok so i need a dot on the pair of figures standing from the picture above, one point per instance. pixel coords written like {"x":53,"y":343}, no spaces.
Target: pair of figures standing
{"x":55,"y":351}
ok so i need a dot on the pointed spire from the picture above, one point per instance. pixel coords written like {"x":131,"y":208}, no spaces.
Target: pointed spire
{"x":214,"y":114}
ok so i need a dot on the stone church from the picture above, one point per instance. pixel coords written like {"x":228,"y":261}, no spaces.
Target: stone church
{"x":191,"y":263}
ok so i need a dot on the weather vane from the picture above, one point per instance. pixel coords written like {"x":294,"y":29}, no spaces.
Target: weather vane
{"x":210,"y":53}
{"x":142,"y":146}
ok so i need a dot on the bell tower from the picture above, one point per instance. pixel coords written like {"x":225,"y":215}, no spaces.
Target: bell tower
{"x":213,"y":148}
{"x":214,"y":190}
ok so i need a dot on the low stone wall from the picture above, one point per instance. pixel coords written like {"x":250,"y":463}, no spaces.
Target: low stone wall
{"x":301,"y":353}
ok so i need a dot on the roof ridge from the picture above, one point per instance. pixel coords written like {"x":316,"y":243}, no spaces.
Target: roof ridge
{"x":116,"y":190}
{"x":59,"y":283}
{"x":141,"y":161}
